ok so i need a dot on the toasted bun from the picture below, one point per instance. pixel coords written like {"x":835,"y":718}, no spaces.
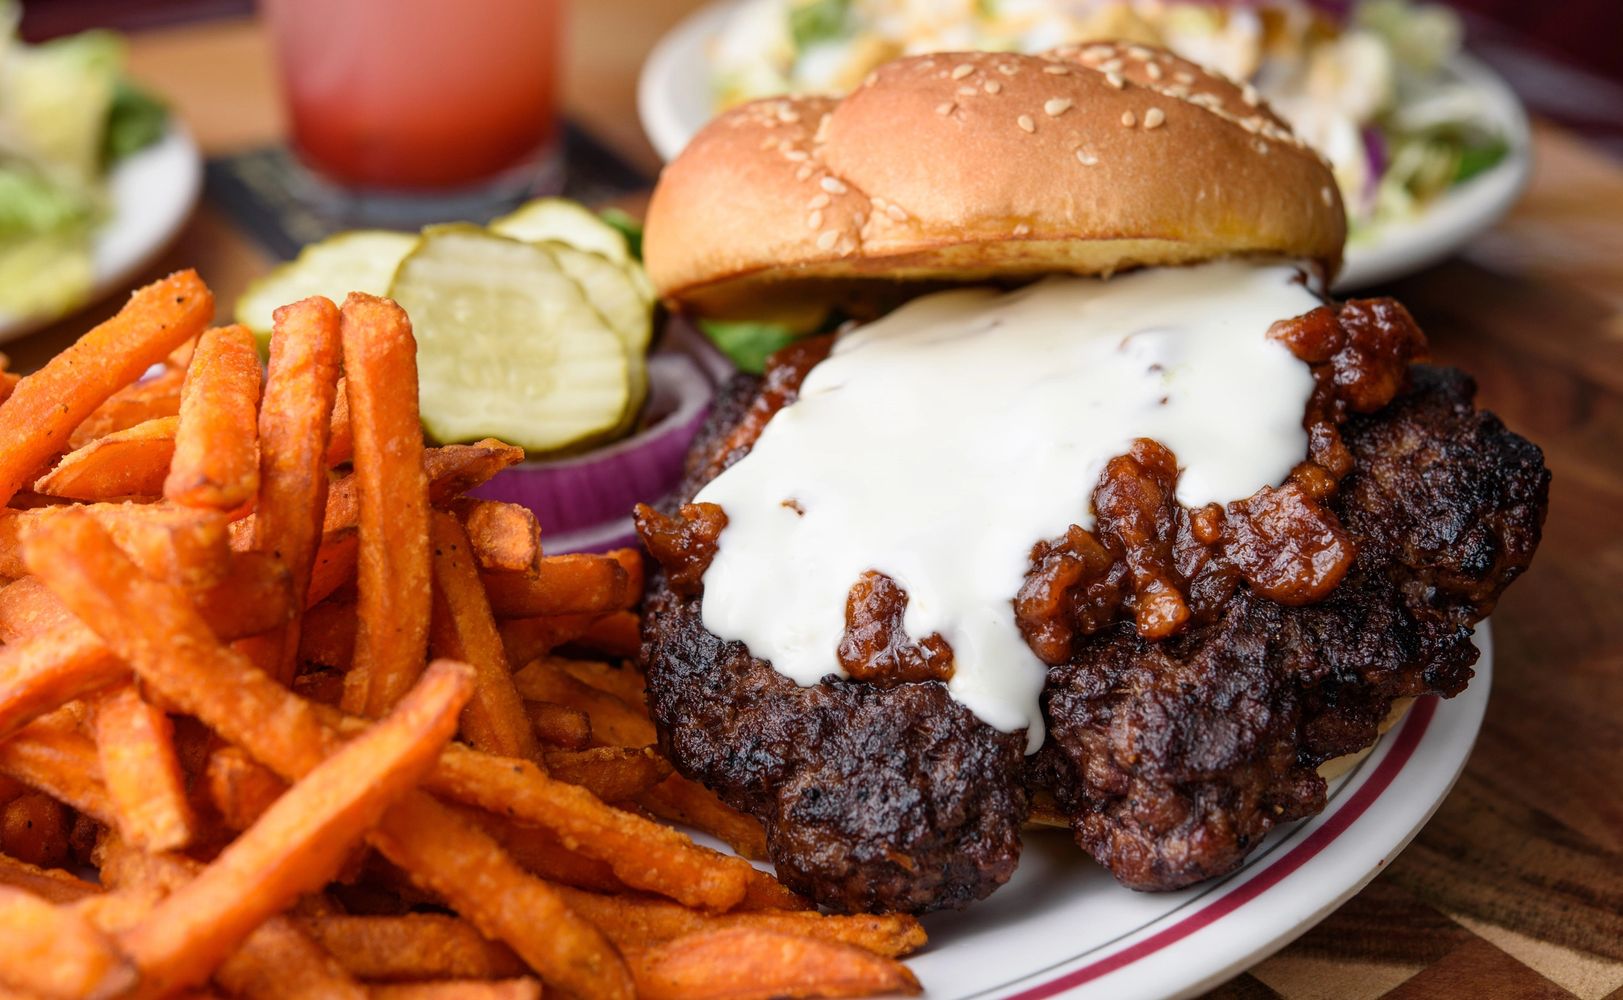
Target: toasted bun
{"x":972,"y":166}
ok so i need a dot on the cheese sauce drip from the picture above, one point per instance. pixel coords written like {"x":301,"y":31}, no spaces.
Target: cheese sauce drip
{"x":938,"y":444}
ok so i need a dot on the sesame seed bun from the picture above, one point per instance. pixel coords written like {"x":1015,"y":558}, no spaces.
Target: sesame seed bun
{"x":973,"y":166}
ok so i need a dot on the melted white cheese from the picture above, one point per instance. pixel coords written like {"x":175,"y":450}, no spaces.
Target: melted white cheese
{"x":938,"y":444}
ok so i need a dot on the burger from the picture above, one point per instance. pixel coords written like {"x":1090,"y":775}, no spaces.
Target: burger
{"x":1093,"y":507}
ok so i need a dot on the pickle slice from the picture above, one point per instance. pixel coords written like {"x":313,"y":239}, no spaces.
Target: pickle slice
{"x":508,"y":345}
{"x":567,"y":222}
{"x":615,"y":296}
{"x":363,"y":260}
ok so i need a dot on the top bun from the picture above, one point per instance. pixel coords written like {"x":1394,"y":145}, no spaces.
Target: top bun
{"x":973,"y":166}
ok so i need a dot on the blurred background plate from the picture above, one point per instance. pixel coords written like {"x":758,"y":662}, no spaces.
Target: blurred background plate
{"x":674,"y":101}
{"x":153,"y":193}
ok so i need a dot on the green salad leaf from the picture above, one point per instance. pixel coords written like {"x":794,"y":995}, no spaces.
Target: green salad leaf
{"x":813,"y":21}
{"x":135,"y":121}
{"x":747,"y":344}
{"x":628,"y":226}
{"x":1480,"y":159}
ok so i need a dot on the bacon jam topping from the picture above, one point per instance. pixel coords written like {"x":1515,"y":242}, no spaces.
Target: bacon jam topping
{"x":1165,"y":565}
{"x":1147,"y":556}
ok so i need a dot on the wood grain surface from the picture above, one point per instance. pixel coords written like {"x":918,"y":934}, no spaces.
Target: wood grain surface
{"x":1515,"y":888}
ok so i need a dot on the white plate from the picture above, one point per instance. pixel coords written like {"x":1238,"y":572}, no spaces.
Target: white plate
{"x":1063,"y":927}
{"x":674,"y":101}
{"x":152,"y":193}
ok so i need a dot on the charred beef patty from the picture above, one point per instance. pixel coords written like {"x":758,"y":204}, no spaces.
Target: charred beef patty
{"x":1174,"y":754}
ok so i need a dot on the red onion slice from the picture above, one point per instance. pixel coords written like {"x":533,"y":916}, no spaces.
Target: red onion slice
{"x":584,"y":502}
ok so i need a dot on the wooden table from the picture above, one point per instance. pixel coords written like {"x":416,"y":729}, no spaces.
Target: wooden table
{"x":1515,"y":888}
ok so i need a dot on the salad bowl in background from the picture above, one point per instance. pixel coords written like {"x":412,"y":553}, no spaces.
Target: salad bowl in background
{"x":95,"y":175}
{"x":1429,"y":146}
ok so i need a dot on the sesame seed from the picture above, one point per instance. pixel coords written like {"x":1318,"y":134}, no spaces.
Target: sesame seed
{"x":847,"y":244}
{"x":1262,"y":147}
{"x":1086,"y":158}
{"x":1111,"y":66}
{"x":1053,"y":70}
{"x":967,"y":91}
{"x":1153,"y":70}
{"x":1249,"y":95}
{"x":992,"y":86}
{"x":1007,"y":69}
{"x":1139,"y":52}
{"x":804,"y":172}
{"x":1183,"y":76}
{"x":962,"y":70}
{"x":1099,"y":51}
{"x":859,"y":220}
{"x":1022,"y":230}
{"x":1154,"y":118}
{"x":822,"y":130}
{"x":1056,"y":106}
{"x":1115,"y":80}
{"x":1025,"y":122}
{"x":814,"y":220}
{"x":788,"y":115}
{"x":820,"y":200}
{"x":945,"y":108}
{"x":833,"y":185}
{"x":1252,"y":125}
{"x":895,"y":212}
{"x":826,"y":238}
{"x":1129,"y":119}
{"x":796,"y":155}
{"x":871,"y":79}
{"x":1177,"y":90}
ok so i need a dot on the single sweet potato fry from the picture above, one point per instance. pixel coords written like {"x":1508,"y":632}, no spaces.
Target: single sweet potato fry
{"x":412,"y":947}
{"x":43,"y":410}
{"x":185,"y":546}
{"x":615,"y":722}
{"x":293,"y":423}
{"x":618,"y":635}
{"x":504,"y":989}
{"x":328,"y":635}
{"x":52,"y":884}
{"x":34,"y":830}
{"x":506,"y":536}
{"x":462,"y":628}
{"x":216,"y":459}
{"x":341,"y":437}
{"x":135,"y":743}
{"x":392,"y":572}
{"x":560,"y":726}
{"x":691,"y":804}
{"x":574,"y":584}
{"x":527,"y":639}
{"x":624,"y":682}
{"x":51,"y":951}
{"x":157,"y":396}
{"x":300,"y":842}
{"x":613,"y":774}
{"x":127,"y":463}
{"x":240,"y":789}
{"x":643,"y":854}
{"x":152,"y":627}
{"x":639,"y":922}
{"x":50,"y":754}
{"x":742,"y":963}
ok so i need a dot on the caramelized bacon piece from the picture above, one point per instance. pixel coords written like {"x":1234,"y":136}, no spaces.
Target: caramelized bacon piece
{"x":876,"y":647}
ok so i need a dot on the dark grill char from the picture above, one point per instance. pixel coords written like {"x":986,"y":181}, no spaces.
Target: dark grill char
{"x":1173,"y":758}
